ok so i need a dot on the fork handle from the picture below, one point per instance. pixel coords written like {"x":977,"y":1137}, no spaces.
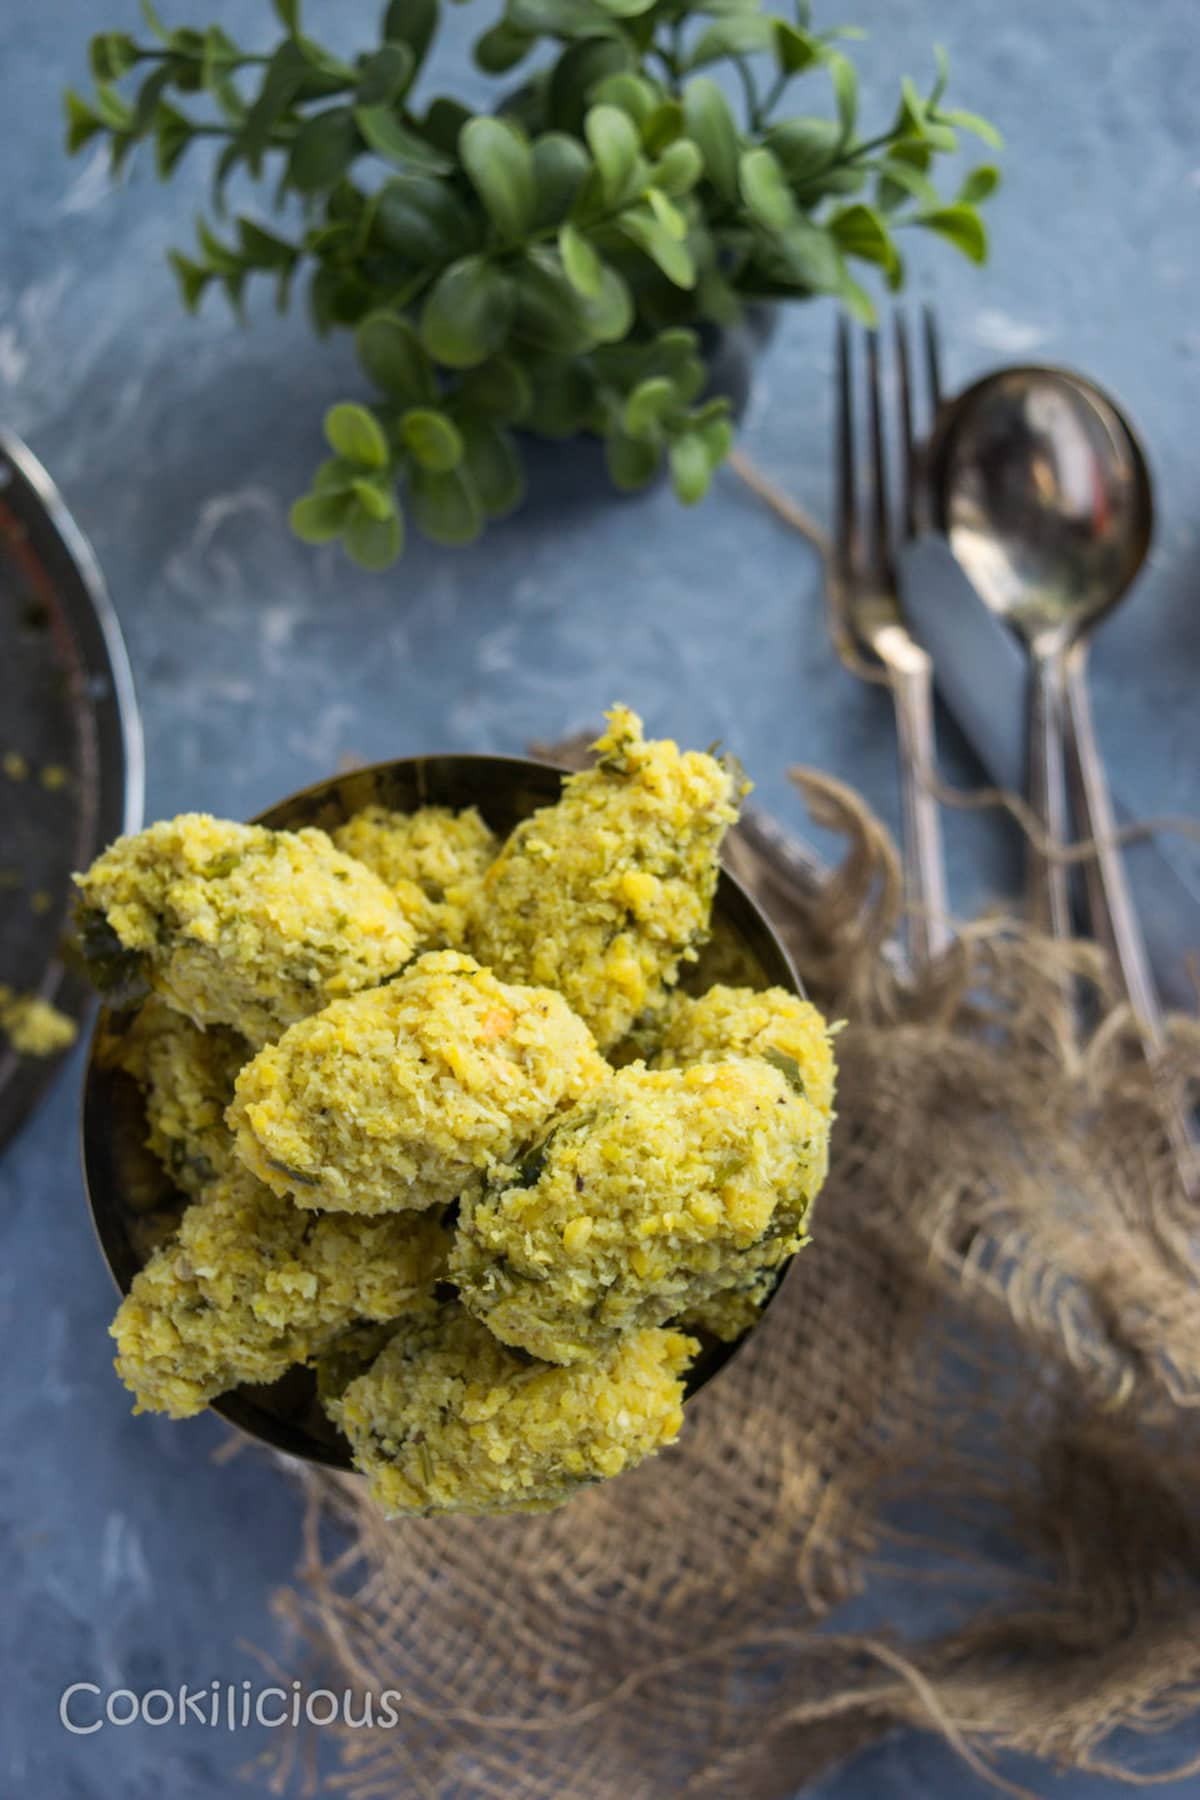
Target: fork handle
{"x":1047,"y":880}
{"x":910,"y":677}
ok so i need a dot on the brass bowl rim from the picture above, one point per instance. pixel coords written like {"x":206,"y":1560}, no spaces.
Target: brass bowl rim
{"x":234,"y":1407}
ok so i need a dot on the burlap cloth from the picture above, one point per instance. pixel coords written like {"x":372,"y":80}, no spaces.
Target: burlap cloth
{"x":973,"y":1408}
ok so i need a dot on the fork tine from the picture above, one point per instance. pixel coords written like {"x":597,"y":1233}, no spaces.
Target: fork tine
{"x":847,"y":547}
{"x":908,"y":473}
{"x":933,"y":356}
{"x":880,"y":510}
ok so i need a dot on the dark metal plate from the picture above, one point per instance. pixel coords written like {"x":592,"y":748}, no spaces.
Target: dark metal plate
{"x":66,"y":706}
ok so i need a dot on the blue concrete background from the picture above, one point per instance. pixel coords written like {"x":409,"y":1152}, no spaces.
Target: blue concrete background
{"x":129,"y":1556}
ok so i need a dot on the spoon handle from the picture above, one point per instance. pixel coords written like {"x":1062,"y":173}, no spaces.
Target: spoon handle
{"x":1114,"y":919}
{"x":1048,"y":884}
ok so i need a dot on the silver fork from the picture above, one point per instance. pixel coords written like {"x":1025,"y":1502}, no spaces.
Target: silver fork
{"x":866,"y":608}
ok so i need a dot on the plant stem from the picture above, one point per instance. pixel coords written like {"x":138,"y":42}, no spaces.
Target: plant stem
{"x":750,"y":89}
{"x":775,"y":94}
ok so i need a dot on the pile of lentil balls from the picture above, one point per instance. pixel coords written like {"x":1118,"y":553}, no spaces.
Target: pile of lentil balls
{"x":450,"y":1132}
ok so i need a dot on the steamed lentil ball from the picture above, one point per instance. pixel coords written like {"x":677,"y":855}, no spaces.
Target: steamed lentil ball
{"x":731,"y":1021}
{"x":650,"y":1196}
{"x":433,"y":859}
{"x":250,"y":1285}
{"x":186,"y":1076}
{"x":605,"y":893}
{"x":406,"y":1096}
{"x":240,"y":926}
{"x":447,"y":1420}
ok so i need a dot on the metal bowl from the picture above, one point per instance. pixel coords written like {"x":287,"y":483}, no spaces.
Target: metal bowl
{"x":129,"y":1194}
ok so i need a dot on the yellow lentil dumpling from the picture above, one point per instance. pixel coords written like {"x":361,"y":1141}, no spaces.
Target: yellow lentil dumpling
{"x":251,"y":1285}
{"x":240,"y":926}
{"x":730,"y":1314}
{"x":186,"y":1076}
{"x":652,"y":1195}
{"x":34,"y":1026}
{"x":406,"y":1096}
{"x":447,"y":1420}
{"x":729,"y":1021}
{"x":432,"y":859}
{"x":605,"y":893}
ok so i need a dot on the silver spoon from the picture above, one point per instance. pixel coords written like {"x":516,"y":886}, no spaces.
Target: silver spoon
{"x":1041,"y":487}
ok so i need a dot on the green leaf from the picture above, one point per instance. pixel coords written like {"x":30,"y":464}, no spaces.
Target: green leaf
{"x":738,"y":34}
{"x":111,"y":54}
{"x":288,"y":13}
{"x":115,"y":112}
{"x":468,"y":313}
{"x":632,"y":462}
{"x":860,"y":231}
{"x":614,"y":142}
{"x":898,"y":180}
{"x":627,"y":9}
{"x":261,"y":249}
{"x":502,"y":48}
{"x":193,"y":278}
{"x":717,"y":299}
{"x":386,"y":75}
{"x":357,"y":435}
{"x":578,"y":71}
{"x":711,"y":126}
{"x":845,"y":91}
{"x":374,"y":495}
{"x":493,"y":466}
{"x":82,"y":122}
{"x":679,"y":168}
{"x":335,"y":476}
{"x":560,"y":18}
{"x":631,"y":94}
{"x":324,"y":148}
{"x":691,"y":470}
{"x":445,"y":507}
{"x":804,"y":146}
{"x":560,"y":164}
{"x":662,"y":127}
{"x":500,"y":166}
{"x":373,"y":544}
{"x":648,"y":406}
{"x":564,"y":393}
{"x":667,"y":214}
{"x":411,"y":22}
{"x":795,"y":50}
{"x":716,"y":433}
{"x":153,"y":23}
{"x":673,"y":258}
{"x":610,"y":312}
{"x":499,"y":388}
{"x":284,"y":76}
{"x":432,"y":439}
{"x":391,"y":354}
{"x":422,"y":219}
{"x":809,"y":257}
{"x":394,"y":141}
{"x":969,"y":121}
{"x":550,"y":313}
{"x":443,"y":123}
{"x":979,"y":184}
{"x":960,"y":226}
{"x":584,"y":269}
{"x":318,"y":518}
{"x":765,"y":189}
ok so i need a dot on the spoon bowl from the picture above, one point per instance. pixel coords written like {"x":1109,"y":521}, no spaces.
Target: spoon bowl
{"x":1042,"y":489}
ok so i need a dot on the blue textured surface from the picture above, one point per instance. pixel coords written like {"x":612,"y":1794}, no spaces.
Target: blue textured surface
{"x":129,"y":1556}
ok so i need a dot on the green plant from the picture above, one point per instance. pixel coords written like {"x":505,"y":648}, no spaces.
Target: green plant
{"x":544,"y":267}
